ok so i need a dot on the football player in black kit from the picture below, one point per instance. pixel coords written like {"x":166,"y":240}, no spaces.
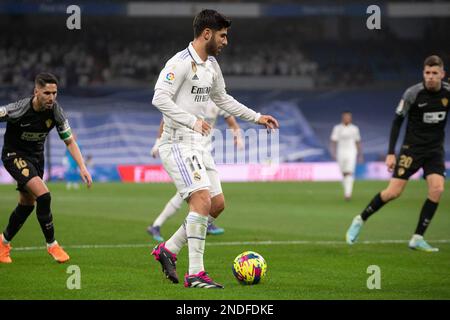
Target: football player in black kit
{"x":426,"y":104}
{"x":28,"y":123}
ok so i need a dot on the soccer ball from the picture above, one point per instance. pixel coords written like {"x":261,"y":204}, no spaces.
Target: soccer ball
{"x":249,"y":267}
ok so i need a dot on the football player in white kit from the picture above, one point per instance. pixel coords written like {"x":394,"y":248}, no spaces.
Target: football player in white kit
{"x":186,"y":84}
{"x":174,"y":204}
{"x":345,"y":147}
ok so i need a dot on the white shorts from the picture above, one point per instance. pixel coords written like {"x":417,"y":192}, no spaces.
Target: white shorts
{"x":347,"y":162}
{"x":190,"y":169}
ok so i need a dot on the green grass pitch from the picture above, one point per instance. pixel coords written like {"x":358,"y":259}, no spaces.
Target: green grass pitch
{"x":307,"y":259}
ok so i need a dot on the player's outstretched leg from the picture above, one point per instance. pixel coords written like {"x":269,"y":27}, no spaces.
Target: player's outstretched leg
{"x":168,"y":261}
{"x":16,"y":221}
{"x":358,"y":221}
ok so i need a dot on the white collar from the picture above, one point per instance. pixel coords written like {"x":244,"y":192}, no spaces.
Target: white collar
{"x":194,"y":54}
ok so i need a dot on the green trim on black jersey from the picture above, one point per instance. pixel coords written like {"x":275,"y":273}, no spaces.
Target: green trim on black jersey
{"x":66,"y":134}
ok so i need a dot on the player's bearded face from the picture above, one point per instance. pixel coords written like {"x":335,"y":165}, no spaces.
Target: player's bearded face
{"x":433,"y":77}
{"x":217,"y":42}
{"x":46,"y":96}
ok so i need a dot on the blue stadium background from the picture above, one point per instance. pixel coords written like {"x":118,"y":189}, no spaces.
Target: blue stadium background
{"x":303,"y":63}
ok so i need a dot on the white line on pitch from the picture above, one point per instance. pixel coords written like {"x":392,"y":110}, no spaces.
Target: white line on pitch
{"x":231,"y":243}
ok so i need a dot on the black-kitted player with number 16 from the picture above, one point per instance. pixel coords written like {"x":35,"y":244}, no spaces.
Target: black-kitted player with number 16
{"x":28,"y":123}
{"x":426,"y":104}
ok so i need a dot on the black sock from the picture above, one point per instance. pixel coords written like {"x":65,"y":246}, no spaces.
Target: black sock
{"x":427,"y":213}
{"x":373,"y":207}
{"x":45,"y":217}
{"x":16,"y":220}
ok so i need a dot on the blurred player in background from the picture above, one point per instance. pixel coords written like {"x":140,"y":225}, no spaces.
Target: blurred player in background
{"x":426,"y":104}
{"x":174,"y":204}
{"x":28,"y":123}
{"x":186,"y":84}
{"x":345,"y":147}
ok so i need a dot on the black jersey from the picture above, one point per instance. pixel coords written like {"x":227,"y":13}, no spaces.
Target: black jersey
{"x":27,"y":129}
{"x":427,"y":116}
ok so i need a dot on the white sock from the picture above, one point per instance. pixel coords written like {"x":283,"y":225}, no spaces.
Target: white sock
{"x":177,"y":240}
{"x":211,"y":219}
{"x":4,"y":240}
{"x":196,"y":225}
{"x":169,"y":210}
{"x":348,"y":185}
{"x":49,"y":245}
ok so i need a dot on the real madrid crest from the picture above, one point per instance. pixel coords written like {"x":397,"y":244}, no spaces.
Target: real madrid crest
{"x":48,"y":123}
{"x":194,"y":66}
{"x":197,"y":176}
{"x":401,"y":172}
{"x":444,"y":102}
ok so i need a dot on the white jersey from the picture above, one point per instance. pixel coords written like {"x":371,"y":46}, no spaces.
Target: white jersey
{"x":346,"y":137}
{"x":183,"y":92}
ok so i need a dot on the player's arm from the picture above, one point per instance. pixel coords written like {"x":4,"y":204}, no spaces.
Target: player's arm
{"x":169,"y":81}
{"x":333,"y":142}
{"x":359,"y":150}
{"x":13,"y":110}
{"x":154,"y":151}
{"x":226,"y":102}
{"x":75,"y":152}
{"x":234,"y":126}
{"x":333,"y":145}
{"x":65,"y":134}
{"x":400,"y":114}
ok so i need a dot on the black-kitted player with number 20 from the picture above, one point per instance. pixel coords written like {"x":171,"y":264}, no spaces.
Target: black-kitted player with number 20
{"x":426,"y":104}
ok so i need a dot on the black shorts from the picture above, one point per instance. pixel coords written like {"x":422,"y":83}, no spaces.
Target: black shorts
{"x":23,"y":169}
{"x":410,"y":161}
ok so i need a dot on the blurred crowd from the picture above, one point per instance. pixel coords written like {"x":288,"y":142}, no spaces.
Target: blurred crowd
{"x":113,"y":62}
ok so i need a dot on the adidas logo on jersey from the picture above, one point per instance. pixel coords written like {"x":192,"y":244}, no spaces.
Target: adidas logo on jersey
{"x":195,"y":77}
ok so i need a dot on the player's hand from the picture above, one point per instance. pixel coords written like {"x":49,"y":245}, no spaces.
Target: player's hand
{"x":154,"y":152}
{"x":269,"y":122}
{"x":390,"y":162}
{"x":86,"y":176}
{"x":202,"y":127}
{"x":238,"y":142}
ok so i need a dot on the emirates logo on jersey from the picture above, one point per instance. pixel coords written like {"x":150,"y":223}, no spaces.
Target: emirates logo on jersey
{"x":444,"y":102}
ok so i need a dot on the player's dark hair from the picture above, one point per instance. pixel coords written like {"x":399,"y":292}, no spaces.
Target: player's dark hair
{"x":43,"y":78}
{"x":346,"y":111}
{"x":209,"y":19}
{"x":432,"y":61}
